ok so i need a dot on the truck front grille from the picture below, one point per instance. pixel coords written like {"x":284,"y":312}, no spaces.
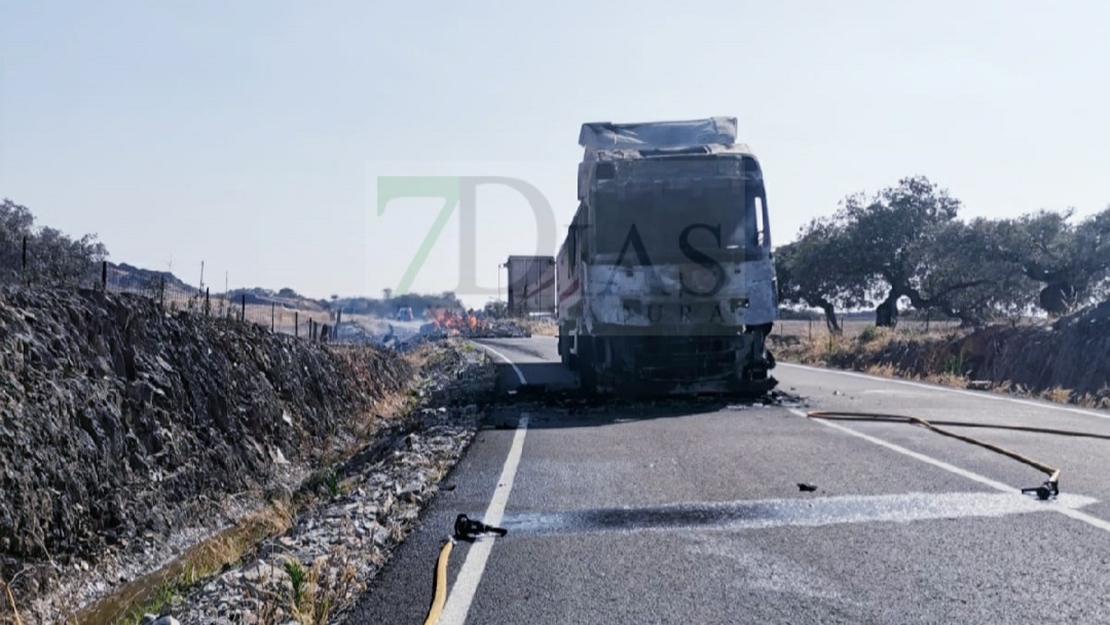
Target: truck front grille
{"x":686,"y":358}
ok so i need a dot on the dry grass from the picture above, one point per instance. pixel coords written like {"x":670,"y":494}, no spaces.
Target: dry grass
{"x":151,"y":592}
{"x":312,"y":596}
{"x":866,"y":341}
{"x":852,"y":328}
{"x":13,"y":617}
{"x":282,"y":319}
{"x":812,"y":343}
{"x":1058,"y":395}
{"x":542,"y":327}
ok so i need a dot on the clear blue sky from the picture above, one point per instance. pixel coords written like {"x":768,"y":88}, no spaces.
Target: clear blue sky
{"x":249,"y":134}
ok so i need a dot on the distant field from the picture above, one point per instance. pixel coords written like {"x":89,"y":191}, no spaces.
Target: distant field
{"x":282,"y":319}
{"x":804,"y":328}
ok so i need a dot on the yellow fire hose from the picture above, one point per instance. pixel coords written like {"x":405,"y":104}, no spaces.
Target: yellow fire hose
{"x":467,"y":529}
{"x":1052,"y":485}
{"x":439,"y":598}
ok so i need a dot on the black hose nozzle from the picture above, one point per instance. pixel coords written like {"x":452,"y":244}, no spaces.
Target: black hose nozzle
{"x":467,"y":528}
{"x":1044,"y":491}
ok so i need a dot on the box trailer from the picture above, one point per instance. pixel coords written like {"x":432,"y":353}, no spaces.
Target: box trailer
{"x":531,"y":285}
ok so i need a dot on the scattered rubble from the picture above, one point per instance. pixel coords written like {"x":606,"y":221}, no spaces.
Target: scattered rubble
{"x":347,"y":539}
{"x":404,"y":337}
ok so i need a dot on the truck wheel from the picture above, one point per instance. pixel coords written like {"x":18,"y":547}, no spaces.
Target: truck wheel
{"x":587,"y":378}
{"x":565,"y":356}
{"x":586,"y":364}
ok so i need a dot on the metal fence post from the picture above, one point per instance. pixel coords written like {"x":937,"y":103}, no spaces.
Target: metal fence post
{"x":273,"y":309}
{"x":104,"y":275}
{"x":162,"y":291}
{"x":296,"y":325}
{"x":243,"y":307}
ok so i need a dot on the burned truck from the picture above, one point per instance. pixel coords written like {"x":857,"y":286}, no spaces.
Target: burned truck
{"x":665,"y":278}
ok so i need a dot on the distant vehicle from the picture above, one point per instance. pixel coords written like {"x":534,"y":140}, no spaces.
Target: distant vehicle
{"x":404,"y":313}
{"x":665,"y":278}
{"x":531,"y":285}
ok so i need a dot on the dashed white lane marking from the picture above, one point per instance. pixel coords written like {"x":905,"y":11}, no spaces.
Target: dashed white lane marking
{"x":960,"y":391}
{"x":505,"y":358}
{"x":466,"y":584}
{"x":1093,"y":521}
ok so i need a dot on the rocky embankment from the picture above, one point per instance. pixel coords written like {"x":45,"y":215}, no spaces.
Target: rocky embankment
{"x":1069,"y":358}
{"x":127,"y":434}
{"x":315,"y":571}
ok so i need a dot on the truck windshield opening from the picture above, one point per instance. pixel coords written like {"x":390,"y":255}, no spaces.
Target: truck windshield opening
{"x":653,"y":224}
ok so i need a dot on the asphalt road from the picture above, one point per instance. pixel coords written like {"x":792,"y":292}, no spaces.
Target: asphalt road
{"x":690,"y":512}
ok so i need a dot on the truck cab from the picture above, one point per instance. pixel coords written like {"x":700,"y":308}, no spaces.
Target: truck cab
{"x":665,"y":277}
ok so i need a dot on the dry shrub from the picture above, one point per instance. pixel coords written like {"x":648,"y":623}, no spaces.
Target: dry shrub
{"x":1057,"y":394}
{"x":884,"y":370}
{"x":312,"y":596}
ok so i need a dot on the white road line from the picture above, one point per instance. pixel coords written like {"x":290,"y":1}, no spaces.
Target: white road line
{"x":982,"y":479}
{"x":505,"y":358}
{"x":934,"y":387}
{"x":466,"y":584}
{"x":986,"y":481}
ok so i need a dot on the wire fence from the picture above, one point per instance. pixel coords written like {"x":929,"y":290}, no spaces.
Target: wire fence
{"x":55,"y":267}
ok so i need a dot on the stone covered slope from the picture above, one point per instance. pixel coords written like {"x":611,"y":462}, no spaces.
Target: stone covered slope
{"x":114,"y":417}
{"x":1073,"y":354}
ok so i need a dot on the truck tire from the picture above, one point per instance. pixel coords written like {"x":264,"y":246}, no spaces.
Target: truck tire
{"x":565,"y":355}
{"x":586,"y":364}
